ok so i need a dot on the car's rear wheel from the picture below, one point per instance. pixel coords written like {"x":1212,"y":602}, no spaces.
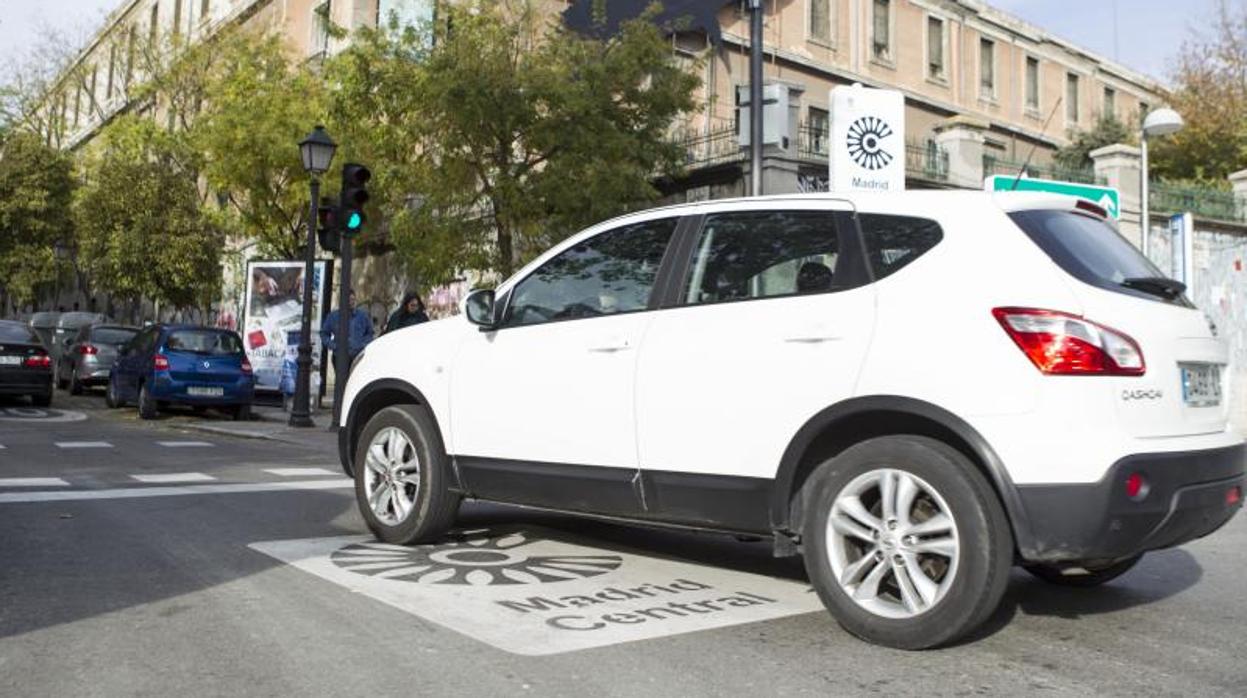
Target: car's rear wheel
{"x":241,"y":413}
{"x":75,"y":385}
{"x":148,"y":409}
{"x":402,"y":477}
{"x":42,"y":399}
{"x":61,"y":381}
{"x":112,"y":397}
{"x":905,"y":542}
{"x":1084,"y":575}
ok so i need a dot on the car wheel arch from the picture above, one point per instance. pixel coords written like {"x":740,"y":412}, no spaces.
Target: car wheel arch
{"x":852,"y":421}
{"x":371,"y":399}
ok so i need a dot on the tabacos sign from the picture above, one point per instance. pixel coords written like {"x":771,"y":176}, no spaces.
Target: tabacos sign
{"x":867,"y":139}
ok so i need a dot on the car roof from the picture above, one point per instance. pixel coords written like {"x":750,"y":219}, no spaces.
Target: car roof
{"x":188,"y":326}
{"x":79,"y":318}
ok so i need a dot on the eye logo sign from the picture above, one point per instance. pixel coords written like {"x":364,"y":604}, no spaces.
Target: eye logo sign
{"x":865,"y":142}
{"x":472,"y":558}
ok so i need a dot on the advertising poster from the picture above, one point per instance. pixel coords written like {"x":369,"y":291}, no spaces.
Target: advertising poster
{"x":273,"y":315}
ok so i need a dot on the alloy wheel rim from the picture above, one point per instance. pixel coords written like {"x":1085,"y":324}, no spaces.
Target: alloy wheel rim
{"x":893,"y":543}
{"x":391,"y":476}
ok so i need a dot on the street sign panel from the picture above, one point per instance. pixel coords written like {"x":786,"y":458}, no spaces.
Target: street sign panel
{"x":1107,"y":198}
{"x":867,"y":139}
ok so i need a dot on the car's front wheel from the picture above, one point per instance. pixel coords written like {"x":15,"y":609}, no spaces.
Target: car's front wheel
{"x":75,"y":385}
{"x":905,"y":542}
{"x":402,"y":477}
{"x":148,"y":407}
{"x":112,"y":397}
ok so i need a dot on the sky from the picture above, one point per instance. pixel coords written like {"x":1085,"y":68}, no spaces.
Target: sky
{"x":1149,"y":32}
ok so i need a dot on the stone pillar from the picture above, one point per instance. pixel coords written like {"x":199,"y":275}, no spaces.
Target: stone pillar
{"x":962,"y":138}
{"x":1120,"y":166}
{"x":1238,"y":181}
{"x":780,"y":170}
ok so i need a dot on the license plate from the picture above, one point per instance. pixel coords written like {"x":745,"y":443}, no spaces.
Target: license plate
{"x":1201,"y":385}
{"x":10,"y":360}
{"x":197,"y":391}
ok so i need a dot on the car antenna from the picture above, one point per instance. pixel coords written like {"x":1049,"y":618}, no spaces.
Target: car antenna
{"x":1035,"y":145}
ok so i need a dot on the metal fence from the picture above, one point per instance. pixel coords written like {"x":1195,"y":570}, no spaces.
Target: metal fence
{"x":993,"y":165}
{"x":717,"y":146}
{"x":926,"y":161}
{"x":1202,"y":201}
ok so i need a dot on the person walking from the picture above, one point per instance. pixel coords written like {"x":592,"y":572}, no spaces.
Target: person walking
{"x":409,"y":312}
{"x":360,"y":330}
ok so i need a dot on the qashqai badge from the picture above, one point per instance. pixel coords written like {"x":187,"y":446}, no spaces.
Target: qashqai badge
{"x":865,"y":142}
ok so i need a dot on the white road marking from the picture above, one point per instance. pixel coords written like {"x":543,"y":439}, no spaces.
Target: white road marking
{"x":184,"y":444}
{"x":1,"y":447}
{"x":299,"y":472}
{"x":173,"y":491}
{"x":173,"y":477}
{"x":83,"y":444}
{"x":32,"y":481}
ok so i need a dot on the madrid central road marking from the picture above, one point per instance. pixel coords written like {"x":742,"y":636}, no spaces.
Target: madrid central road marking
{"x":174,"y":491}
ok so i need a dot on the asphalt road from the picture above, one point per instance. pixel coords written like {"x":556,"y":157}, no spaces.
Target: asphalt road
{"x":111,"y":584}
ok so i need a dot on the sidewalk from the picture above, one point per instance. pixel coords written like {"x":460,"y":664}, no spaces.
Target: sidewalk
{"x":271,"y":423}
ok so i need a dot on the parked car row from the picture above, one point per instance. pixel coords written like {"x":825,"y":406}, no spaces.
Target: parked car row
{"x":153,"y":367}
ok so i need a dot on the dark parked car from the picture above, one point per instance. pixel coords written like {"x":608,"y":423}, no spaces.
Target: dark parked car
{"x":25,"y":367}
{"x":90,"y":356}
{"x":186,"y":365}
{"x":44,"y":325}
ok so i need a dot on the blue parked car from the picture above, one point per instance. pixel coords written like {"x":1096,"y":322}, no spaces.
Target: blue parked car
{"x":185,"y":365}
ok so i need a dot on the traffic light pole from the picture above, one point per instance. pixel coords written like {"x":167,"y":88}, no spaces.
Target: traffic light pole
{"x":301,"y":411}
{"x":342,"y":357}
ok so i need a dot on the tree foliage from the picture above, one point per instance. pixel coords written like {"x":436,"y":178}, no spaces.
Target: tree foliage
{"x":36,"y":185}
{"x":1108,"y":130}
{"x":1211,"y":95}
{"x":508,"y":131}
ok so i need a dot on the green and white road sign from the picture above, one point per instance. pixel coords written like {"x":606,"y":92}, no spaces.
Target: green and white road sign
{"x":1106,"y":197}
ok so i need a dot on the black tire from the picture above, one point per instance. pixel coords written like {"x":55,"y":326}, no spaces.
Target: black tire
{"x":1083,"y":576}
{"x":61,"y":381}
{"x":241,"y":413}
{"x":147,"y":404}
{"x":435,"y":506}
{"x":985,"y":541}
{"x":75,"y":385}
{"x":111,"y":397}
{"x":42,"y":399}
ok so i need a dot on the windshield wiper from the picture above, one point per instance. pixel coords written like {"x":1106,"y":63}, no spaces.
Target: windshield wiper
{"x":1156,"y":285}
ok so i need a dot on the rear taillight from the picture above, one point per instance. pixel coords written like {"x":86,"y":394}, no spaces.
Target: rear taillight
{"x":1068,"y":345}
{"x":160,"y":362}
{"x":87,"y":349}
{"x":246,"y":366}
{"x":38,"y":361}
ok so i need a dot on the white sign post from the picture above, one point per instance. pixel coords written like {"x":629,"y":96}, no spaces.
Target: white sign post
{"x":867,"y":139}
{"x":1181,"y":235}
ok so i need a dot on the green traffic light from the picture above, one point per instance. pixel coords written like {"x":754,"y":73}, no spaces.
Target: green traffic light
{"x":355,"y":221}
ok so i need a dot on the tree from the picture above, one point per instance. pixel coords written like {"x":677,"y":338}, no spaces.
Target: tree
{"x":509,"y":131}
{"x":141,"y":231}
{"x":1211,"y":95}
{"x":1107,"y":131}
{"x":36,"y":186}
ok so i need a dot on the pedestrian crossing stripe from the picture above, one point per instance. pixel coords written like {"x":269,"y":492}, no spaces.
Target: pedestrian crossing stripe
{"x":156,"y":478}
{"x":183,"y":444}
{"x":83,"y":444}
{"x":174,"y":491}
{"x":298,"y":472}
{"x":32,"y":481}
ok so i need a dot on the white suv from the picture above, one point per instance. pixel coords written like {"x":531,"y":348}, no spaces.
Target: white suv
{"x":915,"y":391}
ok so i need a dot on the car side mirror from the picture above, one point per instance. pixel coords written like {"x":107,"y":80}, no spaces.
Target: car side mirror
{"x":478,"y":307}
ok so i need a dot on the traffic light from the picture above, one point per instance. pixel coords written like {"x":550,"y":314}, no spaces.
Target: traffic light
{"x":327,"y":229}
{"x":354,"y":195}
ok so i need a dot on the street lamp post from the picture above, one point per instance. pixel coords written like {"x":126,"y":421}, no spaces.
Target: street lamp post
{"x":316,"y":150}
{"x":1159,"y":122}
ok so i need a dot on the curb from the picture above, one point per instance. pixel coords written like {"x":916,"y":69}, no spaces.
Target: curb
{"x":260,"y":436}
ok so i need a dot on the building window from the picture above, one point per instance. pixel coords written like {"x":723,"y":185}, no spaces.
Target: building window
{"x":1071,"y":98}
{"x":820,"y":20}
{"x":177,"y":15}
{"x":154,"y":27}
{"x":77,"y":105}
{"x":987,"y":69}
{"x":95,"y":72}
{"x":935,"y":48}
{"x":130,"y":41}
{"x":1144,"y":108}
{"x":1032,"y":84}
{"x":820,"y":130}
{"x":320,"y":28}
{"x":1110,"y":103}
{"x":112,"y":67}
{"x":881,"y":38}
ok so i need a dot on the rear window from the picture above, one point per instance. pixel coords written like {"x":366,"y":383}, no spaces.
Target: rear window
{"x":1091,"y":250}
{"x":894,"y":241}
{"x":17,"y":333}
{"x":204,"y":342}
{"x":112,"y":335}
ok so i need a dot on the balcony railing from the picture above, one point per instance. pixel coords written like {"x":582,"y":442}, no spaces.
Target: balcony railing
{"x":926,"y":161}
{"x":998,"y":166}
{"x":716,"y":146}
{"x":1205,"y":202}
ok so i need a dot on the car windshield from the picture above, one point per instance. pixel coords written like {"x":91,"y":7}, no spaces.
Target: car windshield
{"x":13,"y":332}
{"x":211,"y":342}
{"x":69,"y":320}
{"x":112,"y":335}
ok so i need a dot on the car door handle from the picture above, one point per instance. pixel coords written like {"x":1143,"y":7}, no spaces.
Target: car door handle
{"x":610,"y":345}
{"x":812,"y":335}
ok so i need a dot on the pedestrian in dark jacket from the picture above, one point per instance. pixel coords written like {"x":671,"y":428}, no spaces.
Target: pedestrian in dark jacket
{"x":409,"y":312}
{"x":360,"y":330}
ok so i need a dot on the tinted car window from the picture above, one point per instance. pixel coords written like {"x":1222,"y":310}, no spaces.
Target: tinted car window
{"x":761,"y":254}
{"x":112,"y":335}
{"x":206,"y":342}
{"x":1090,"y":250}
{"x":894,"y":241}
{"x":13,"y":332}
{"x":606,"y":274}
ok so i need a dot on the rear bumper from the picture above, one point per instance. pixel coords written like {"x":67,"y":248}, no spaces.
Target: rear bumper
{"x":175,"y":392}
{"x":1187,"y":498}
{"x":25,"y":381}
